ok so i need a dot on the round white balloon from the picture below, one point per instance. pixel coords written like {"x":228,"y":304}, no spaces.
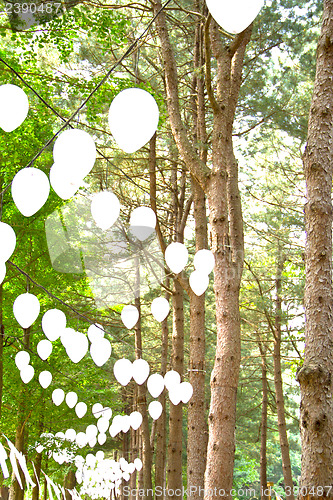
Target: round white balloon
{"x":8,"y":241}
{"x":129,"y":316}
{"x":76,"y":346}
{"x":101,"y":438}
{"x":175,"y":395}
{"x":234,"y":17}
{"x":45,"y":379}
{"x":171,"y":379}
{"x":199,"y":282}
{"x":44,"y":349}
{"x":140,"y":371}
{"x":27,"y":373}
{"x":123,"y":371}
{"x":22,"y":359}
{"x":95,"y":332}
{"x":53,"y":323}
{"x":133,"y":119}
{"x":102,"y":424}
{"x":97,"y":410}
{"x":71,"y":399}
{"x":30,"y":190}
{"x":105,"y":209}
{"x":26,"y":309}
{"x":58,"y":396}
{"x":70,"y":435}
{"x":204,"y":261}
{"x":64,"y":182}
{"x":160,"y":308}
{"x":91,"y":431}
{"x":155,"y":409}
{"x":81,"y":409}
{"x":135,"y":420}
{"x":155,"y":385}
{"x":138,"y":464}
{"x":100,"y":351}
{"x":142,"y":222}
{"x":176,"y":257}
{"x":76,"y":148}
{"x":186,"y":392}
{"x":14,"y":107}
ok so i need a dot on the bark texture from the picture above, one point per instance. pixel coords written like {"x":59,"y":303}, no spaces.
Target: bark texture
{"x":263,"y":425}
{"x":315,"y":376}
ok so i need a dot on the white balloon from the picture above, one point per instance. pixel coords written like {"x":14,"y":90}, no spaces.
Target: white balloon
{"x":123,"y":370}
{"x":91,"y":431}
{"x":44,"y":349}
{"x":27,"y":373}
{"x":133,"y":118}
{"x":102,"y":424}
{"x":155,"y":384}
{"x":95,"y":332}
{"x":53,"y":323}
{"x":81,"y":409}
{"x":100,"y":351}
{"x":75,"y":148}
{"x":100,"y":455}
{"x":160,"y":308}
{"x":140,"y":371}
{"x":175,"y":395}
{"x":129,"y":316}
{"x":116,"y":425}
{"x":126,"y":423}
{"x":199,"y":282}
{"x":138,"y":464}
{"x":3,"y":271}
{"x":107,"y":412}
{"x":131,"y":468}
{"x":90,"y":460}
{"x":142,"y":222}
{"x":58,"y":396}
{"x":171,"y":379}
{"x":30,"y":190}
{"x":97,"y":410}
{"x":71,"y":399}
{"x":76,"y":346}
{"x":14,"y":107}
{"x":204,"y":261}
{"x":22,"y":359}
{"x":105,"y":209}
{"x":70,"y":435}
{"x":155,"y":409}
{"x":176,"y":257}
{"x":45,"y":379}
{"x":101,"y":438}
{"x":186,"y":392}
{"x":7,"y":241}
{"x":60,"y":435}
{"x":81,"y":439}
{"x":26,"y":309}
{"x":92,"y":442}
{"x":234,"y":17}
{"x":64,"y":182}
{"x":135,"y":420}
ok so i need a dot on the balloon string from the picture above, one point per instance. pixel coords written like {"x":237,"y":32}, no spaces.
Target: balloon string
{"x":98,"y":86}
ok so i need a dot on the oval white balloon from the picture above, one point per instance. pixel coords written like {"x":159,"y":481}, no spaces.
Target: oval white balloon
{"x":81,"y":409}
{"x":186,"y":392}
{"x":160,"y":308}
{"x":92,"y":442}
{"x":234,"y":17}
{"x":91,"y":431}
{"x":101,"y":438}
{"x":126,"y":423}
{"x":44,"y":349}
{"x":26,"y":309}
{"x":138,"y":464}
{"x":75,"y":148}
{"x":171,"y":379}
{"x":22,"y":359}
{"x":45,"y":379}
{"x":199,"y":282}
{"x":175,"y":395}
{"x":81,"y":439}
{"x":142,"y":222}
{"x":102,"y":424}
{"x":71,"y":399}
{"x":58,"y":396}
{"x":141,"y":371}
{"x":8,"y":241}
{"x":204,"y":261}
{"x":133,"y":119}
{"x":123,"y":371}
{"x":107,"y":412}
{"x":77,"y":346}
{"x":70,"y":435}
{"x":14,"y":107}
{"x":53,"y":323}
{"x":30,"y":190}
{"x":176,"y":257}
{"x":64,"y":181}
{"x":105,"y":209}
{"x":95,"y":332}
{"x":155,"y":409}
{"x":27,"y":374}
{"x":135,"y":420}
{"x":155,"y":385}
{"x":100,"y":351}
{"x":3,"y":271}
{"x":97,"y":410}
{"x":129,"y":316}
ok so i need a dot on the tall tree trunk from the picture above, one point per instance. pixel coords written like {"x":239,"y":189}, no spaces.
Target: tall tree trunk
{"x":284,"y":444}
{"x":220,"y":184}
{"x":315,"y":376}
{"x":263,"y":425}
{"x":2,"y":335}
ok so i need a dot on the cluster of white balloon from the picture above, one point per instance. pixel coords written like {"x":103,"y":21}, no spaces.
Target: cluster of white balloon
{"x":98,"y":476}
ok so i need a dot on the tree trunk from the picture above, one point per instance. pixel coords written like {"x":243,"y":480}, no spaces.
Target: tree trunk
{"x":284,"y":444}
{"x":263,"y":425}
{"x":2,"y":334}
{"x":69,"y":484}
{"x":315,"y":376}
